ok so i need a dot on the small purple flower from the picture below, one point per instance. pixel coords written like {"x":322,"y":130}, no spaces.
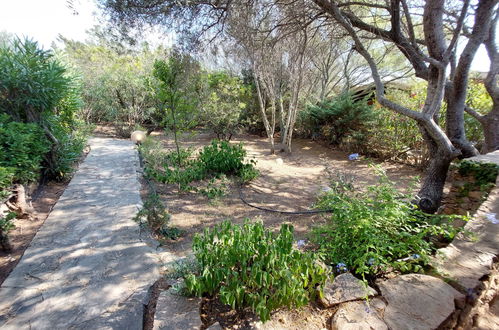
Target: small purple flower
{"x":301,"y":243}
{"x":415,"y":256}
{"x":370,"y":262}
{"x":341,"y":267}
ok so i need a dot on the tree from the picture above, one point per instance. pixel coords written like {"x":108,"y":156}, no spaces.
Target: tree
{"x":223,"y":104}
{"x":430,"y":58}
{"x":178,"y":92}
{"x":490,"y":120}
{"x":429,"y":44}
{"x":118,"y":85}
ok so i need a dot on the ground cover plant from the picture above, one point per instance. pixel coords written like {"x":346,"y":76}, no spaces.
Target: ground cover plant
{"x":378,"y":230}
{"x":248,"y":266}
{"x":215,"y":161}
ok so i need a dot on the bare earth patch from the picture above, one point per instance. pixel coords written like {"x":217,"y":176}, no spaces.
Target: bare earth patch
{"x":287,"y":183}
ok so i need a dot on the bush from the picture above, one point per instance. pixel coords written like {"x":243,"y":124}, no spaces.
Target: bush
{"x":249,"y":266}
{"x":378,"y":230}
{"x":6,"y":179}
{"x":156,"y":216}
{"x":6,"y":225}
{"x":37,"y":88}
{"x":224,"y":104}
{"x":221,"y":157}
{"x":337,"y":119}
{"x":218,"y":158}
{"x":23,"y":148}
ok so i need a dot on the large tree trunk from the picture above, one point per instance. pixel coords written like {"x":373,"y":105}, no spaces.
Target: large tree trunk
{"x":431,"y":192}
{"x":490,"y":125}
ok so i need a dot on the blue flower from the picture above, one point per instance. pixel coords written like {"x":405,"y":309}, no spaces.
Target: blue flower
{"x":341,"y":267}
{"x":370,"y":262}
{"x":415,"y":256}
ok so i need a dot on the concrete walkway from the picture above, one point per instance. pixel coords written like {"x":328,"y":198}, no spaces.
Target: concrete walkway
{"x":87,"y":267}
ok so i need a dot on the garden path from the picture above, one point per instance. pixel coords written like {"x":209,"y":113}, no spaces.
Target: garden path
{"x":87,"y":266}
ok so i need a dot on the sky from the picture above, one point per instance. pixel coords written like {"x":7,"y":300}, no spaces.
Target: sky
{"x":44,"y":20}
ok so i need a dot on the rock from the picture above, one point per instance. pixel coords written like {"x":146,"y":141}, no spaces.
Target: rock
{"x":356,"y":315}
{"x":176,"y":312}
{"x":215,"y":326}
{"x":417,"y":301}
{"x":345,"y":287}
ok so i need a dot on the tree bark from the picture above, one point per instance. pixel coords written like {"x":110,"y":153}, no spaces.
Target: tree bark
{"x":431,"y":191}
{"x":490,"y":125}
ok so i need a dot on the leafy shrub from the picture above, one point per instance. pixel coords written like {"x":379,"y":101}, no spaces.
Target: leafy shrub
{"x":337,"y":119}
{"x":216,"y":188}
{"x":6,"y":179}
{"x":6,"y":225}
{"x":223,"y":104}
{"x":484,"y":173}
{"x":157,"y":217}
{"x":218,"y":158}
{"x":221,"y":157}
{"x":37,"y":88}
{"x":378,"y":230}
{"x":23,"y":148}
{"x":249,"y":266}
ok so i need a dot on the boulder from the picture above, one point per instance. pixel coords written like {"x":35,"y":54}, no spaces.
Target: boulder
{"x":343,"y":288}
{"x":176,"y":312}
{"x":417,"y":301}
{"x":356,"y":315}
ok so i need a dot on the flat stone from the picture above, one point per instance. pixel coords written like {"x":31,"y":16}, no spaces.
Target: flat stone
{"x":469,"y":257}
{"x":176,"y":312}
{"x":215,"y":326}
{"x":417,"y":301}
{"x":491,"y":157}
{"x":357,"y":315}
{"x":345,"y":287}
{"x":87,"y":266}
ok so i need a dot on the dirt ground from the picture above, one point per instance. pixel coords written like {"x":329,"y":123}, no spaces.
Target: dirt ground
{"x":43,"y":200}
{"x":287,"y":183}
{"x":20,"y":237}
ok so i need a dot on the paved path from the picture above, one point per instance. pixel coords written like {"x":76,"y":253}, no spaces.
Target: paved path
{"x":87,"y":267}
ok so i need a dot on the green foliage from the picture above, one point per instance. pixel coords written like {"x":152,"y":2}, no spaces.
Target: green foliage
{"x":221,"y":157}
{"x":117,"y":83}
{"x":156,"y":217}
{"x":32,"y":82}
{"x":223,"y":104}
{"x":6,"y":179}
{"x":178,"y":91}
{"x":337,"y":119}
{"x":478,"y":99}
{"x":485,"y":174}
{"x":218,"y":158}
{"x":6,"y":225}
{"x":378,"y":230}
{"x":23,"y":147}
{"x":35,"y":87}
{"x":216,"y":188}
{"x":249,"y":266}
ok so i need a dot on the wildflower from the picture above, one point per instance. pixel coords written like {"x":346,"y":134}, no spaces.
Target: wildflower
{"x":370,"y":262}
{"x":301,"y":243}
{"x":341,"y":267}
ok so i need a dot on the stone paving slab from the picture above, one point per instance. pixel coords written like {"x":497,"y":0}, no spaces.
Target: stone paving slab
{"x":87,"y":266}
{"x":469,"y":257}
